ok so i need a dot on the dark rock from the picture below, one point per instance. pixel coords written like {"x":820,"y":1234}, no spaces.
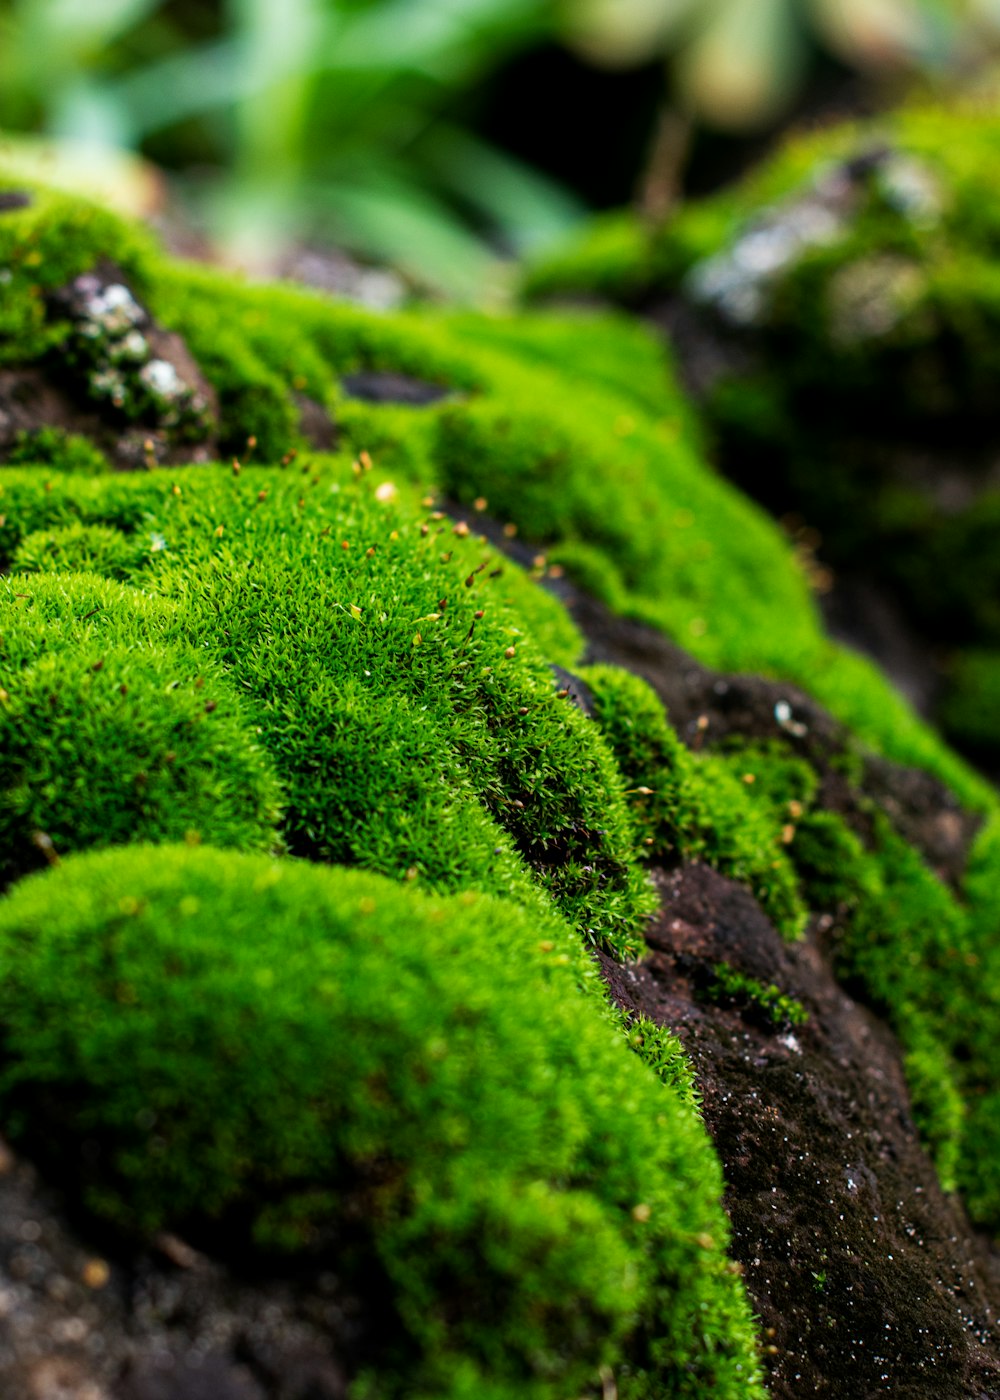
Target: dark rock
{"x":14,"y":199}
{"x":389,"y":387}
{"x":867,"y":1278}
{"x":89,"y":1319}
{"x":315,"y":424}
{"x":192,"y":1378}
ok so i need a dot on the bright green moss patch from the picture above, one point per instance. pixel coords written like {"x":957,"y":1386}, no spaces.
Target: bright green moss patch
{"x":104,"y":742}
{"x":305,"y":1055}
{"x":100,"y":549}
{"x":611,"y":350}
{"x":408,"y":710}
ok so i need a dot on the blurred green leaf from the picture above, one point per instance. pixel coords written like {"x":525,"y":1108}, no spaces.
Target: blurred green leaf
{"x":529,"y":209}
{"x":443,"y":39}
{"x":386,"y":215}
{"x":74,"y":26}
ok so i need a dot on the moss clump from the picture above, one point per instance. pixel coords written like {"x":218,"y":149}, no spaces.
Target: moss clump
{"x":103,"y":742}
{"x":92,"y":548}
{"x":308,"y":1055}
{"x":409,"y":710}
{"x":387,"y":664}
{"x":394,"y":668}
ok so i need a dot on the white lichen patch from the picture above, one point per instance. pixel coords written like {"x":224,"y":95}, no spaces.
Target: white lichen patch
{"x":161,"y":379}
{"x":738,"y":282}
{"x":110,"y":310}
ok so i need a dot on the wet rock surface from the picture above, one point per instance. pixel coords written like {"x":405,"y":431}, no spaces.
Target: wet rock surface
{"x":707,"y":707}
{"x":867,"y":1279}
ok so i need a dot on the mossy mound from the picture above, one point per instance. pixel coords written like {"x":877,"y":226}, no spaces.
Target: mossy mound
{"x":839,"y":311}
{"x":396,"y":685}
{"x":108,"y":735}
{"x":327,"y":1059}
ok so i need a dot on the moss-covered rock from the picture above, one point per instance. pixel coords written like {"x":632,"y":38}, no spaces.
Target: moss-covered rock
{"x":342,"y":657}
{"x":837,"y":312}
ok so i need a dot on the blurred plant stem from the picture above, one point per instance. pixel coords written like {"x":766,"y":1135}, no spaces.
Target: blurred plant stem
{"x":663,"y":176}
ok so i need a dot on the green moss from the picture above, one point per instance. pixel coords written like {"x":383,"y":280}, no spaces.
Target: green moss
{"x":536,"y":1202}
{"x":611,"y":258}
{"x":857,"y":272}
{"x":53,"y":447}
{"x":103,"y":741}
{"x":832,"y":864}
{"x":378,"y":676}
{"x":691,"y":806}
{"x":395,"y":672}
{"x":766,"y":1004}
{"x":774,"y":775}
{"x":99,"y":549}
{"x":611,"y":350}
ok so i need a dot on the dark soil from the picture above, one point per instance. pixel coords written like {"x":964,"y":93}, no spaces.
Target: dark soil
{"x":83,"y":1322}
{"x":867,"y":1279}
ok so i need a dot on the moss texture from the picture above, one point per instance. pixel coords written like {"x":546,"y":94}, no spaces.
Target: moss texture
{"x":471,"y":1104}
{"x":369,"y":683}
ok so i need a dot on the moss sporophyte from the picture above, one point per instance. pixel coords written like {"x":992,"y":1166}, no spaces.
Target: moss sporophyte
{"x":325,"y":805}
